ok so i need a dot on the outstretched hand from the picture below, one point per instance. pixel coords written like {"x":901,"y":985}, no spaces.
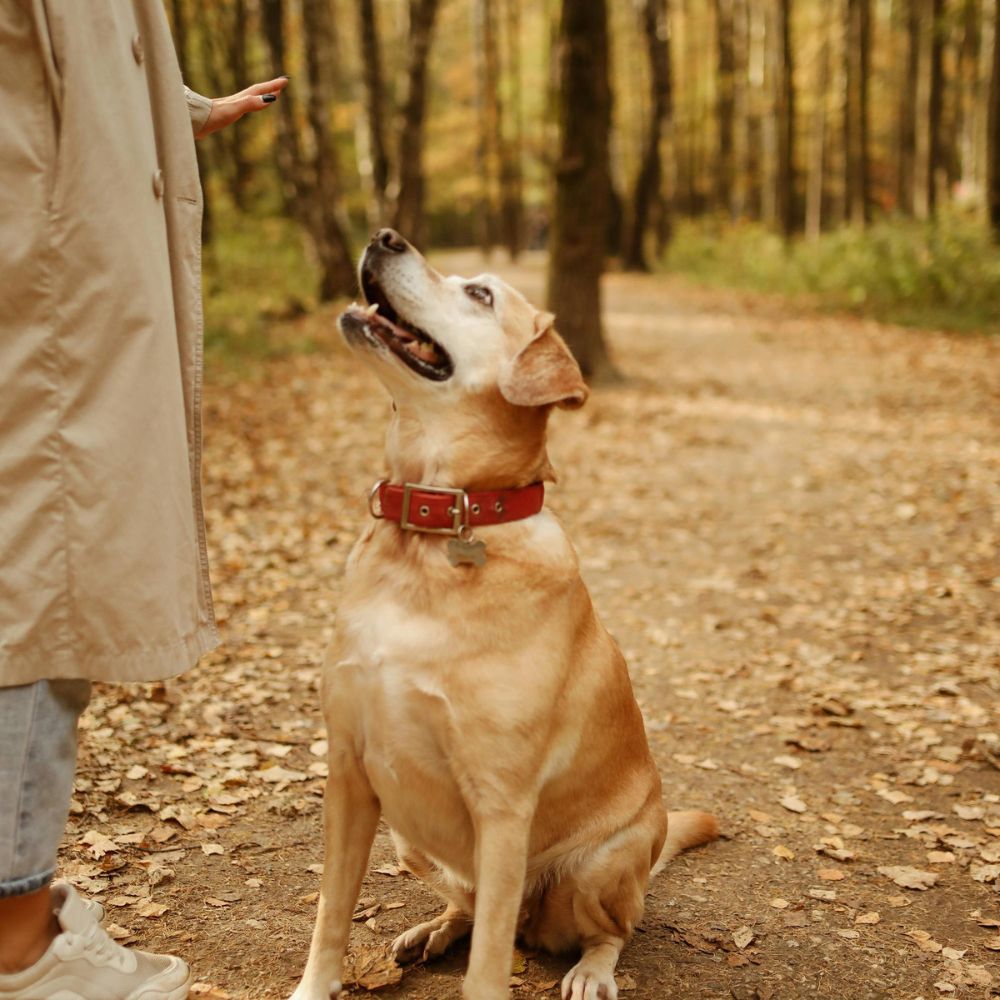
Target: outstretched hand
{"x":226,"y":110}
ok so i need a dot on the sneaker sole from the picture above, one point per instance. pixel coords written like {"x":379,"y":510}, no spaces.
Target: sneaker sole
{"x":166,"y":992}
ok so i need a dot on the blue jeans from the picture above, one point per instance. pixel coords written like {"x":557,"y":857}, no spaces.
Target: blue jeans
{"x":37,"y":764}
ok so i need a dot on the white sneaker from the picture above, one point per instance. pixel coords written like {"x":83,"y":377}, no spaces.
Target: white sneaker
{"x":83,"y":963}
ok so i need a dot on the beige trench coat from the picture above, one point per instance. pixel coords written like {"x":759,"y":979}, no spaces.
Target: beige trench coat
{"x":103,"y":568}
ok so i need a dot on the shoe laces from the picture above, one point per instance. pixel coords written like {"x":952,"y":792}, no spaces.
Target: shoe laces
{"x":96,"y":942}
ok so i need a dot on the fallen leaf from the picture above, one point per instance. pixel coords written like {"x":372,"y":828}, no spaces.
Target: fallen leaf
{"x":98,"y":844}
{"x":742,"y":937}
{"x":210,"y":849}
{"x":831,"y":874}
{"x":783,"y":852}
{"x":909,"y":878}
{"x":969,"y":812}
{"x":827,"y":895}
{"x":793,"y":804}
{"x":872,"y":917}
{"x":780,"y":904}
{"x":371,"y":967}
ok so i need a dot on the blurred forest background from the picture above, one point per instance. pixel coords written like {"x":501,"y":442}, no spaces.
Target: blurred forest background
{"x":845,"y":149}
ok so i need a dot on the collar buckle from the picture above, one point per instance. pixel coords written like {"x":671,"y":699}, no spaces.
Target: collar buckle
{"x":459,"y":511}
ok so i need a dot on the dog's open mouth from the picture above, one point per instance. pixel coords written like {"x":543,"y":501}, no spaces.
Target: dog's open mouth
{"x":382,"y":324}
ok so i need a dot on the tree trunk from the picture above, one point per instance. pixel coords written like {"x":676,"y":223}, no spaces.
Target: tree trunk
{"x":815,"y":186}
{"x":329,"y":227}
{"x":511,"y":172}
{"x":856,"y":116}
{"x":580,"y":217}
{"x":649,"y":183}
{"x":409,"y":213}
{"x":374,"y":88}
{"x":490,"y":122}
{"x":935,"y":151}
{"x":993,"y":134}
{"x":182,"y":37}
{"x":725,"y":103}
{"x":906,"y":176}
{"x":742,"y":159}
{"x":970,"y":96}
{"x":785,"y":114}
{"x":771,"y":46}
{"x":239,"y":182}
{"x":310,"y":189}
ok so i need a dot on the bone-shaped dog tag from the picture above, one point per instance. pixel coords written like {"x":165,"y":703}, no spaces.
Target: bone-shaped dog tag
{"x":466,"y":553}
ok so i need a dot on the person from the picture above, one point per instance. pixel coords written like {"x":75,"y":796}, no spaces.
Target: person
{"x":103,"y":567}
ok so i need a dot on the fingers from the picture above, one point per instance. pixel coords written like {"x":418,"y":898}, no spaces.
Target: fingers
{"x":270,"y":87}
{"x":249,"y":103}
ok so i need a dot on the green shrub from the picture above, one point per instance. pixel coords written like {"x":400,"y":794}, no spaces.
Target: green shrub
{"x":943,"y":274}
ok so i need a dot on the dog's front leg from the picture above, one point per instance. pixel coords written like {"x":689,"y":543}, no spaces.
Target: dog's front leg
{"x":501,"y":861}
{"x":350,"y":816}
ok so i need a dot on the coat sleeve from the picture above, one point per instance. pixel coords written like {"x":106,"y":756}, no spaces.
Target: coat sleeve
{"x":199,"y":108}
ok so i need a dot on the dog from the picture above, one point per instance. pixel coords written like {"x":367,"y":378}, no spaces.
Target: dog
{"x":471,"y":696}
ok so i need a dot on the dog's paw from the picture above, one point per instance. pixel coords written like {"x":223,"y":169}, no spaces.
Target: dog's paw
{"x":427,"y":941}
{"x":307,"y":992}
{"x":409,"y":946}
{"x":588,"y":981}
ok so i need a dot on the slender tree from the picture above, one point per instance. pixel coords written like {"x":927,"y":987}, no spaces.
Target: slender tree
{"x":238,"y":41}
{"x":310,"y":187}
{"x":742,"y":152}
{"x":178,"y":12}
{"x":579,"y":225}
{"x":409,"y":213}
{"x":907,"y":130}
{"x":511,"y":170}
{"x":970,"y":97}
{"x":725,"y":102}
{"x":935,"y":105}
{"x":785,"y":114}
{"x":490,"y":121}
{"x":815,"y":185}
{"x":858,"y":58}
{"x":993,"y":133}
{"x":374,"y":90}
{"x":329,"y":223}
{"x":649,"y":184}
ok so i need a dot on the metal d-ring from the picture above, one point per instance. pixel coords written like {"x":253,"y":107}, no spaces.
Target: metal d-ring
{"x":373,"y":495}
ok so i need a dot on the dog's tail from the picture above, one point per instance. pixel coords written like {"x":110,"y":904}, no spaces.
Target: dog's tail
{"x":684,"y":830}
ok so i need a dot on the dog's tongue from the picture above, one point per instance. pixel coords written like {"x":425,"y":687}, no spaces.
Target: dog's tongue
{"x":424,"y":350}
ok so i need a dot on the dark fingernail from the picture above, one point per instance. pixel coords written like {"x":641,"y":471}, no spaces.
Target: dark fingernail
{"x":269,"y":98}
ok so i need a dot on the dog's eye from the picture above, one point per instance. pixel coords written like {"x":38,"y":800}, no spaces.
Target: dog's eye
{"x":480,"y":293}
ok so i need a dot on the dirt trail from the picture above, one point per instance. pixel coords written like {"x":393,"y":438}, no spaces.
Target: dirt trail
{"x":791,"y":522}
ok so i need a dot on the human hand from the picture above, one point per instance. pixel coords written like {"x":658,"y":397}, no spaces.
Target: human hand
{"x":226,"y":110}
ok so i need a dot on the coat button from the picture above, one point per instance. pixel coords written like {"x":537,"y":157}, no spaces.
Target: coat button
{"x":158,"y":184}
{"x":137,"y":50}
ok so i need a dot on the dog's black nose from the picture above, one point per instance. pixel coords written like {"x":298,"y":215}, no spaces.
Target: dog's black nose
{"x":389,"y":239}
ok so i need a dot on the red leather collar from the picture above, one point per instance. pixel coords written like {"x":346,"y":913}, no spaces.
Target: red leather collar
{"x":441,"y":511}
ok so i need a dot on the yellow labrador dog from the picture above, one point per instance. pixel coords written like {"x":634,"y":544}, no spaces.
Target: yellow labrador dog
{"x":472,"y":697}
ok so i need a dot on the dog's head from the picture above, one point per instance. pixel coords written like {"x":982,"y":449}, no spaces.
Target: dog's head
{"x":469,"y":352}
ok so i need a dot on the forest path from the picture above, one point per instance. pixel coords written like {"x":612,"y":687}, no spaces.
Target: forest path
{"x":791,"y":524}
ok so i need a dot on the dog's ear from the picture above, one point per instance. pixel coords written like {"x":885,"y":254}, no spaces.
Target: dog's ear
{"x":544,"y":373}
